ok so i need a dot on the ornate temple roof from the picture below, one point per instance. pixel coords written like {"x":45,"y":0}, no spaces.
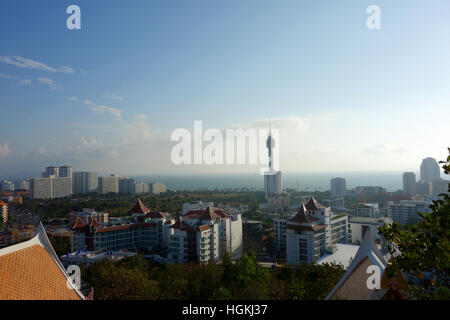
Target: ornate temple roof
{"x":31,"y":270}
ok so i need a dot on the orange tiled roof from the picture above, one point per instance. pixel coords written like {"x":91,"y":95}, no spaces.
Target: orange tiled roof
{"x":30,"y":271}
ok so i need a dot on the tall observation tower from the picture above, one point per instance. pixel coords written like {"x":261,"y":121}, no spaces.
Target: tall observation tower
{"x":270,"y":144}
{"x":272,"y":178}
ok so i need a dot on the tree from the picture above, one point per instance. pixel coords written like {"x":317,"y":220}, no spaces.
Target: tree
{"x":425,"y":246}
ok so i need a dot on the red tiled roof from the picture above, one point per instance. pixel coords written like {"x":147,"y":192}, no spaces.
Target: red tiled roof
{"x":94,"y":223}
{"x":78,"y":224}
{"x":139,"y":207}
{"x":156,"y":215}
{"x":179,"y":224}
{"x":126,"y":226}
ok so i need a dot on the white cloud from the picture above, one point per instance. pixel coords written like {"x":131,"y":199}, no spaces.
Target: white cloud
{"x":109,"y":95}
{"x":4,"y":150}
{"x":50,"y":82}
{"x":105,"y":109}
{"x":141,"y":116}
{"x":7,"y":76}
{"x":32,"y":64}
{"x":25,"y":82}
{"x":89,"y":102}
{"x":73,"y":98}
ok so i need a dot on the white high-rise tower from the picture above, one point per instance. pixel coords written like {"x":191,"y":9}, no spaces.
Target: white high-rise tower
{"x":272,"y":178}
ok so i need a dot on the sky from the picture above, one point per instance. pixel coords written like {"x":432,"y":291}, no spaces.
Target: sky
{"x":108,"y":97}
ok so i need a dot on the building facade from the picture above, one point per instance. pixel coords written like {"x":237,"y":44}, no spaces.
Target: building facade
{"x":338,"y":187}
{"x":429,"y":170}
{"x":148,"y":232}
{"x":3,"y":212}
{"x":85,"y":182}
{"x":368,"y":210}
{"x":109,"y":184}
{"x":65,"y":172}
{"x":196,"y":205}
{"x":157,"y":187}
{"x":204,"y":236}
{"x":409,"y":183}
{"x":358,"y":226}
{"x":310,"y":233}
{"x":406,"y":211}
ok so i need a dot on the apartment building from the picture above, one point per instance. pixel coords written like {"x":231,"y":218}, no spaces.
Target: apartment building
{"x":204,"y":236}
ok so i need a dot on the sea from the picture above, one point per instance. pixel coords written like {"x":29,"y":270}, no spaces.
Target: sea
{"x":307,"y":181}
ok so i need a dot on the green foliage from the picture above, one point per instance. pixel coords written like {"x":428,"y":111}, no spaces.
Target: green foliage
{"x":123,"y":280}
{"x":424,"y":246}
{"x":134,"y":278}
{"x":61,"y":245}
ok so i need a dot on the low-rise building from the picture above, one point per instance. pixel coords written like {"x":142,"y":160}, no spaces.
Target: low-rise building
{"x":406,"y":211}
{"x":196,"y":205}
{"x":333,"y":203}
{"x":88,"y":214}
{"x":88,"y":258}
{"x":308,"y":234}
{"x":369,"y":210}
{"x":358,"y":226}
{"x":146,"y":233}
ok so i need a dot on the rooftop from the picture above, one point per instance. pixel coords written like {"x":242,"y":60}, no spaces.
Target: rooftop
{"x":343,"y":255}
{"x":31,"y":270}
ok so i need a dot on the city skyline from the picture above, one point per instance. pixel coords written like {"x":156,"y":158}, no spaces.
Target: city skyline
{"x":108,"y":96}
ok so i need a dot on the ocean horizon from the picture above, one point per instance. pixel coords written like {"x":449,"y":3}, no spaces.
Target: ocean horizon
{"x":307,"y":181}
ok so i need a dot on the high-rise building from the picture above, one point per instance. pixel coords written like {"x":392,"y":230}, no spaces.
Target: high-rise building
{"x":409,"y":183}
{"x":62,"y":187}
{"x":109,"y":184}
{"x":85,"y":182}
{"x":338,"y":187}
{"x":440,"y":186}
{"x":157,"y":187}
{"x":6,"y":185}
{"x":126,"y":185}
{"x":424,"y":188}
{"x":50,"y":188}
{"x":51,"y":171}
{"x":41,"y":188}
{"x":3,"y":212}
{"x":272,"y":178}
{"x":429,"y":170}
{"x":141,"y":188}
{"x":65,"y":172}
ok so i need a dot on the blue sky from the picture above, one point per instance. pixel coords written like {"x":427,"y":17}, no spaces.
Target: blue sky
{"x":107,"y":97}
